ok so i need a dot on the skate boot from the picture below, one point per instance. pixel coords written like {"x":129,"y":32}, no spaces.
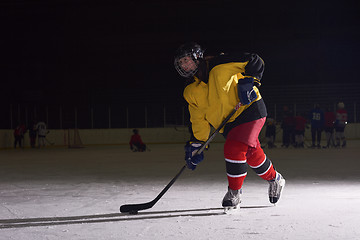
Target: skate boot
{"x":232,"y":199}
{"x":275,"y":188}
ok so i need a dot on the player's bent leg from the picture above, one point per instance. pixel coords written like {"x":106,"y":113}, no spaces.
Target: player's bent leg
{"x":264,"y":168}
{"x":236,"y":170}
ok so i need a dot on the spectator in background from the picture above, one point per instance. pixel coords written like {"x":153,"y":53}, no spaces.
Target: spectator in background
{"x":340,"y":123}
{"x":19,"y":133}
{"x":288,"y":125}
{"x":32,"y":134}
{"x":300,"y":125}
{"x":329,"y":128}
{"x":41,"y":131}
{"x":317,"y":125}
{"x":136,"y":143}
{"x":270,"y":133}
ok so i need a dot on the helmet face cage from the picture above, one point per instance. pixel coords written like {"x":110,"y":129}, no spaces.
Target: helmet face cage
{"x":194,"y":52}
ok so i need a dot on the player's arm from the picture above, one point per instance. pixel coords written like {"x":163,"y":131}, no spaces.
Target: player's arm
{"x":195,"y":96}
{"x":199,"y":128}
{"x":254,"y":70}
{"x":254,"y":67}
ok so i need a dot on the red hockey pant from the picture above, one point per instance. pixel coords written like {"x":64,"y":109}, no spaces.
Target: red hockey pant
{"x":238,"y":155}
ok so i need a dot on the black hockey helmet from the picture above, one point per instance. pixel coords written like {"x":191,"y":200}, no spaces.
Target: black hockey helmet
{"x":192,"y":50}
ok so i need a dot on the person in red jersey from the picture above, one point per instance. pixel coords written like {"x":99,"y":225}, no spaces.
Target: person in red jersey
{"x":136,"y":143}
{"x":19,"y":132}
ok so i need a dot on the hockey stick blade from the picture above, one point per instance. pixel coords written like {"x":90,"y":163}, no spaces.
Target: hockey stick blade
{"x":134,"y":208}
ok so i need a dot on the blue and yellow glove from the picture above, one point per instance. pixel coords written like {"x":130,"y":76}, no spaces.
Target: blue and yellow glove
{"x":192,"y":159}
{"x":246,"y":91}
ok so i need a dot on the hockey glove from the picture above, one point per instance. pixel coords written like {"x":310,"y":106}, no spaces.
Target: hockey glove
{"x":193,"y":160}
{"x":246,"y":91}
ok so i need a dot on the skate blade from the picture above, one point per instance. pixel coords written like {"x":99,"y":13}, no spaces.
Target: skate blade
{"x":231,"y":210}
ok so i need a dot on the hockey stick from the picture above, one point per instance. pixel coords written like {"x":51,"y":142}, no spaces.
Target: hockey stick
{"x":51,"y":143}
{"x":134,"y":208}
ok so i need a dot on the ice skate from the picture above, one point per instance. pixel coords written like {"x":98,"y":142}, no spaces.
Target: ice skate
{"x":231,"y":200}
{"x":276,"y":186}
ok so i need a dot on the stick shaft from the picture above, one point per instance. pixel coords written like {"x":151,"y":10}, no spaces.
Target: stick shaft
{"x":213,"y":135}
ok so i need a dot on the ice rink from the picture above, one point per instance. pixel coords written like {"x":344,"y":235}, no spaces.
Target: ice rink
{"x":60,"y":193}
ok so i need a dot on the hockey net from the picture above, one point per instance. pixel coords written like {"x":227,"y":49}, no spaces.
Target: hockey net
{"x":72,"y":138}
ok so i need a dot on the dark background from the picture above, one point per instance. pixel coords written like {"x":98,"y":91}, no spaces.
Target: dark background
{"x":91,"y":52}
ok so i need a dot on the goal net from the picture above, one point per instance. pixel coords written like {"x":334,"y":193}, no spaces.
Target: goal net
{"x":72,"y":138}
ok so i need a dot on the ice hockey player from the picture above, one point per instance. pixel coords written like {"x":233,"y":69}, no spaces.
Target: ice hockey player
{"x":41,"y":130}
{"x":317,"y":125}
{"x":19,"y":133}
{"x":340,"y":123}
{"x":217,"y":84}
{"x":136,"y":143}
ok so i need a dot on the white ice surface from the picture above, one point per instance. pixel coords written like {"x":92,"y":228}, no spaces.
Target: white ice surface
{"x":86,"y":186}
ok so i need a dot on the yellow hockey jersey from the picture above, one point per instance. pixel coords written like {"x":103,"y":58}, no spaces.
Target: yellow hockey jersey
{"x":210,"y":103}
